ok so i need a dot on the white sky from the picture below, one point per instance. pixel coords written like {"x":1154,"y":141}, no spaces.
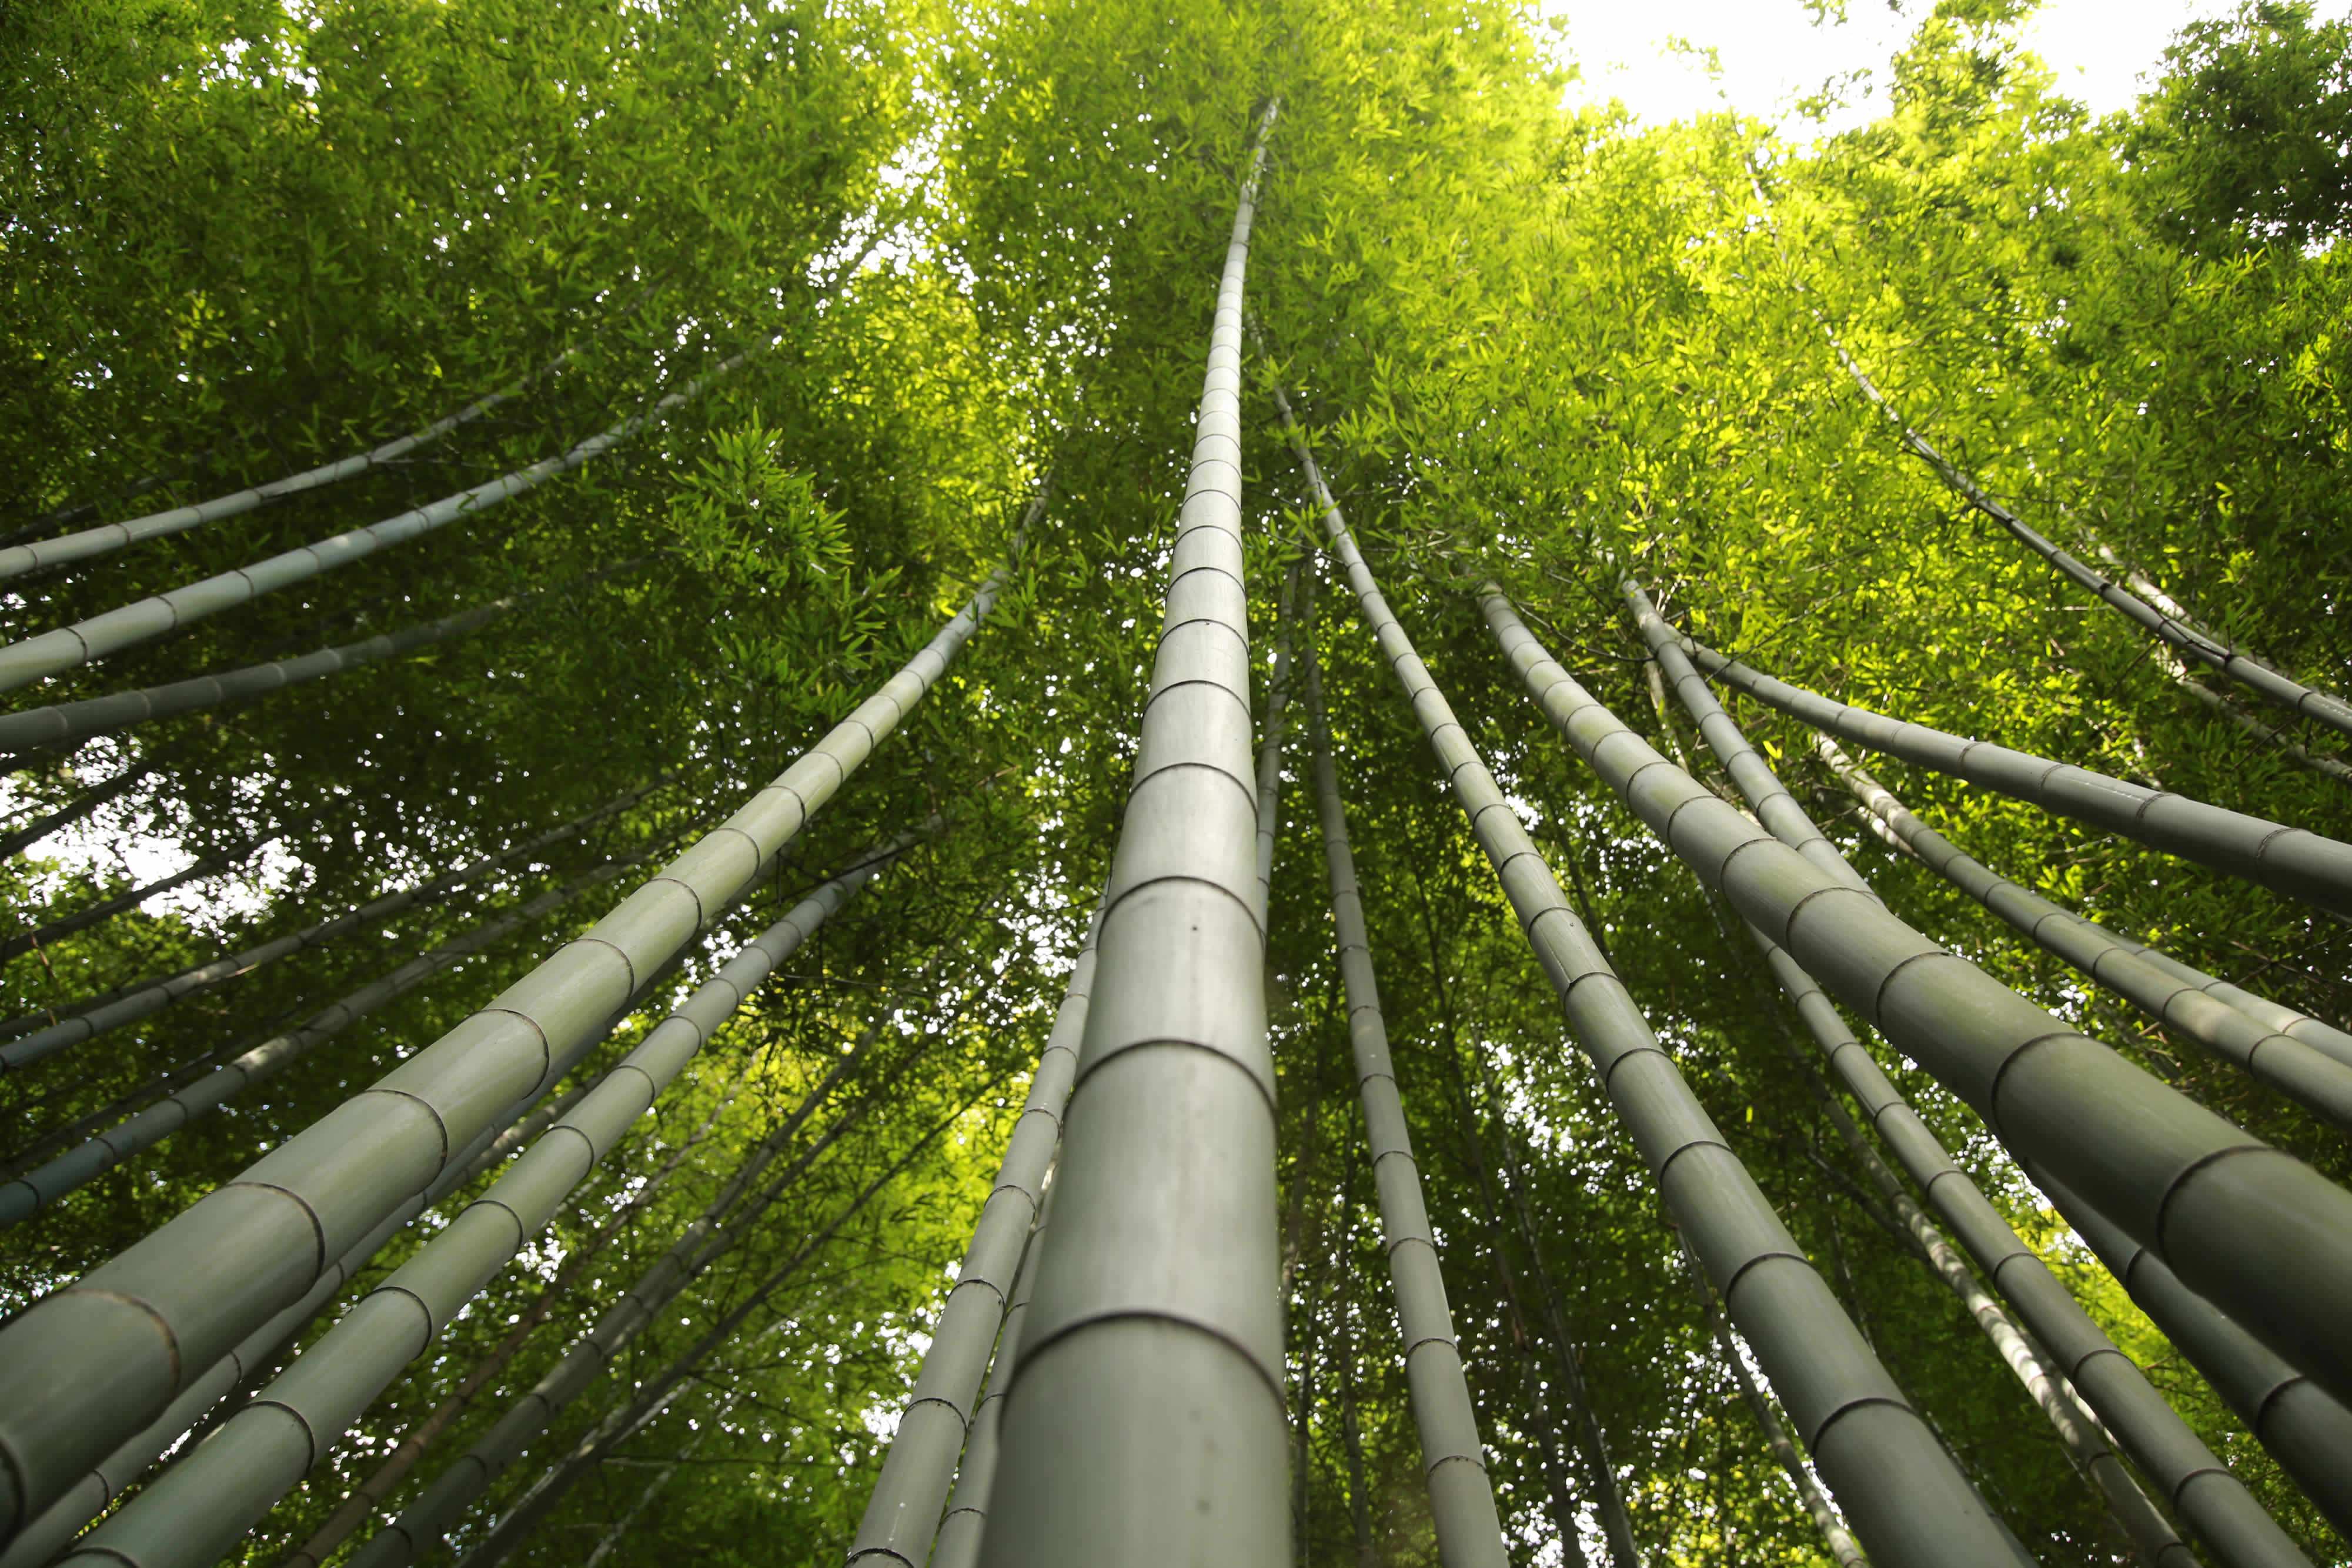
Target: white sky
{"x":1772,"y":53}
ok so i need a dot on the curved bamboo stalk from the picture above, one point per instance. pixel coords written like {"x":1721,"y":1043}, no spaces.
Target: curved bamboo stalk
{"x":127,"y":1003}
{"x":52,"y":653}
{"x":92,"y":1363}
{"x":2269,"y":1239}
{"x":1453,"y":1461}
{"x":66,"y":722}
{"x":1817,"y":1505}
{"x":622,"y":1424}
{"x":2317,"y":1080}
{"x":957,"y":1545}
{"x":902,"y":1516}
{"x":2166,"y":624}
{"x":1158,"y":1287}
{"x":2290,"y":861}
{"x":1903,"y":1493}
{"x":2309,"y":1432}
{"x":83,"y":919}
{"x":19,"y":559}
{"x":40,"y":1539}
{"x":194,"y":1511}
{"x":38,"y":1188}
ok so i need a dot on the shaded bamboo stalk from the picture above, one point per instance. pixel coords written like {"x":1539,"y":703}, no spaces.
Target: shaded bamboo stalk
{"x":94,"y":1362}
{"x":1453,"y":1463}
{"x":1159,"y":1290}
{"x":1817,"y":1505}
{"x":52,"y":653}
{"x":137,"y":1000}
{"x":616,"y":1428}
{"x":21,"y":558}
{"x":957,"y":1545}
{"x":83,"y":919}
{"x":1965,"y":1028}
{"x":41,"y":1539}
{"x":88,"y":801}
{"x":38,"y":1188}
{"x":194,"y":1511}
{"x":2291,"y":861}
{"x":1905,"y":1496}
{"x":2305,"y":1429}
{"x":2317,"y":1079}
{"x":1293,"y":610}
{"x":2235,"y":715}
{"x":2162,"y":621}
{"x":902,"y":1516}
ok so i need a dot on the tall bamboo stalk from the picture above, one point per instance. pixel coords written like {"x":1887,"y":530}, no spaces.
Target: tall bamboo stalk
{"x":128,"y":1003}
{"x":95,"y":1361}
{"x":2307,"y":1431}
{"x":957,"y":1545}
{"x":1158,"y":1292}
{"x":2318,"y":1079}
{"x":1905,"y":1498}
{"x":2291,"y":861}
{"x":19,"y":559}
{"x":902,"y":1516}
{"x":41,"y":1539}
{"x":198,"y":1508}
{"x":88,"y":801}
{"x":2162,"y":621}
{"x":1453,"y":1463}
{"x":38,"y":1188}
{"x":2263,"y":1235}
{"x":1292,"y":610}
{"x":51,"y":652}
{"x":106,"y":909}
{"x":63,"y":723}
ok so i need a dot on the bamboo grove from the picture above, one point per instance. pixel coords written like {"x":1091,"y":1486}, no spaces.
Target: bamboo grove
{"x":1105,"y":784}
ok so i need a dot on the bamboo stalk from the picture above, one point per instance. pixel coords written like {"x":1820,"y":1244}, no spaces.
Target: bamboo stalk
{"x":902,"y":1516}
{"x":957,"y":1545}
{"x":19,"y":559}
{"x":90,"y":800}
{"x":197,"y":1510}
{"x":52,"y":653}
{"x":94,"y":1362}
{"x":83,"y":919}
{"x":36,"y":1189}
{"x":1904,"y":1495}
{"x":2291,"y":861}
{"x":1453,"y":1462}
{"x":89,"y":1020}
{"x":1159,"y":1290}
{"x":2266,"y":1237}
{"x":2317,"y":1080}
{"x":1277,"y":703}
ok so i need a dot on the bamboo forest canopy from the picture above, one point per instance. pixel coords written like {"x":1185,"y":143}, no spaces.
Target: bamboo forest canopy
{"x":1052,"y":783}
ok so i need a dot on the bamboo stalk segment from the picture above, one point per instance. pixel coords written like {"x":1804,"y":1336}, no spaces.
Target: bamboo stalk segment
{"x":2291,"y":861}
{"x":196,"y":1510}
{"x":83,"y":919}
{"x":902,"y":1518}
{"x":1903,"y":1494}
{"x":96,"y":1361}
{"x":957,"y":1545}
{"x":1158,"y":1288}
{"x":1453,"y":1461}
{"x":2265,"y":1236}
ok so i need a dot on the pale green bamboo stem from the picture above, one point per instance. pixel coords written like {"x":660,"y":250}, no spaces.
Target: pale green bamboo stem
{"x":36,"y":1189}
{"x":902,"y":1516}
{"x":2314,"y":1078}
{"x":2266,"y":1237}
{"x":1269,"y":750}
{"x":21,"y":558}
{"x":2290,"y":861}
{"x":83,"y":919}
{"x":1904,"y":1495}
{"x":64,"y":723}
{"x":1158,"y":1292}
{"x":94,"y":1362}
{"x":197,"y":1510}
{"x":1453,"y":1461}
{"x":1817,"y":1504}
{"x":957,"y":1542}
{"x":128,"y":1003}
{"x":2307,"y":1431}
{"x":52,"y":653}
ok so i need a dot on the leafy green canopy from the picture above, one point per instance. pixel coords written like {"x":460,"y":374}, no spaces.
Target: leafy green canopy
{"x":973,"y":252}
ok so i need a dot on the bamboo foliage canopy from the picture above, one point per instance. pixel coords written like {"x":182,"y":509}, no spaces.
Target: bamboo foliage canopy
{"x":901,"y":485}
